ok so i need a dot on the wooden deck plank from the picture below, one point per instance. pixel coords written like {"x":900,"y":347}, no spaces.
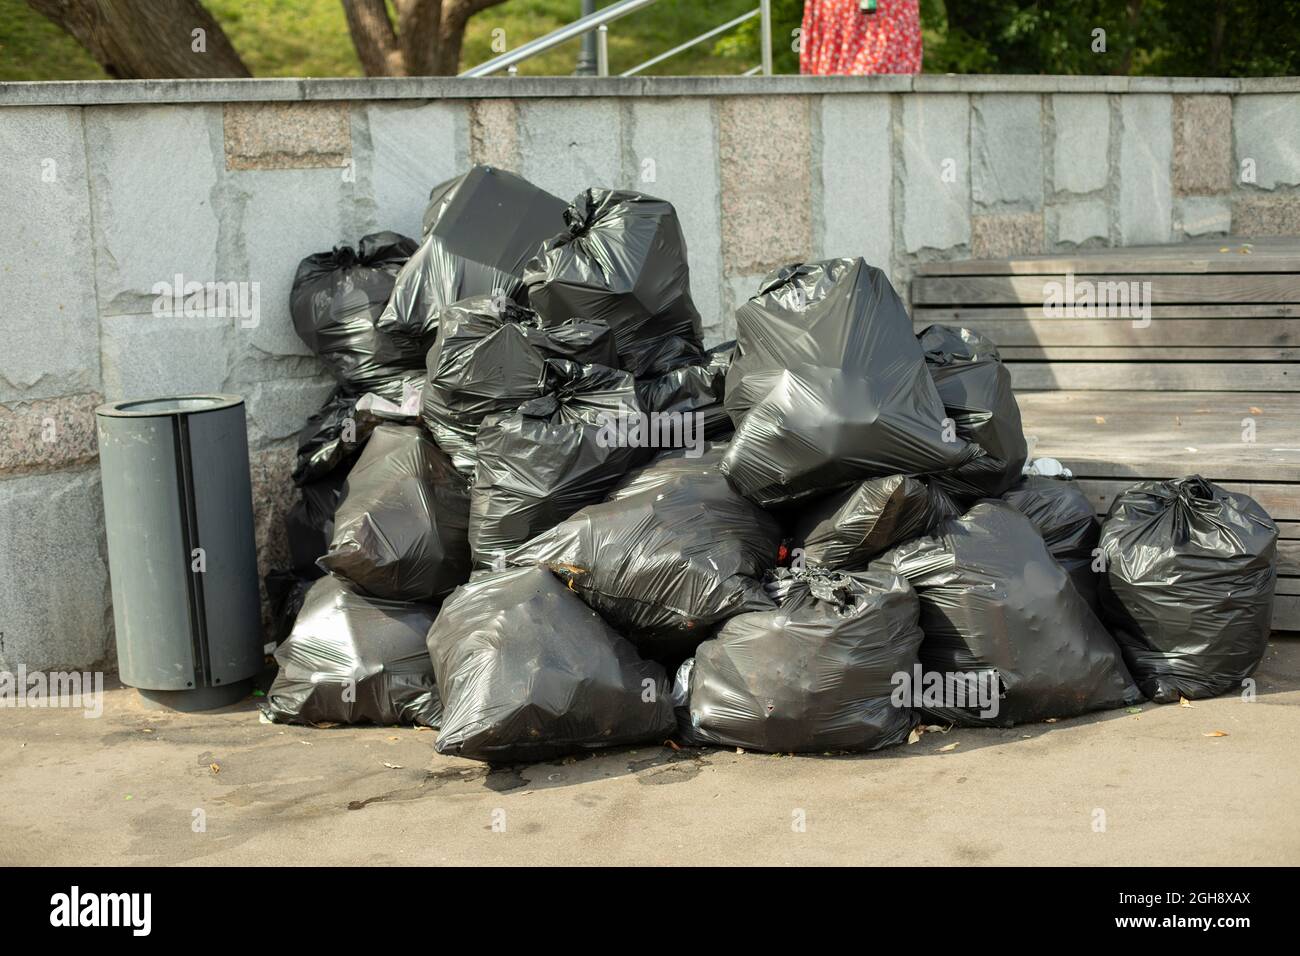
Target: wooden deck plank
{"x":1165,"y":289}
{"x":1281,"y":501}
{"x":961,"y":315}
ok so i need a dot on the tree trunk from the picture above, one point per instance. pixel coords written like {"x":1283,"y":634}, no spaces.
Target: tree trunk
{"x":425,"y":41}
{"x":373,"y":37}
{"x":147,"y":39}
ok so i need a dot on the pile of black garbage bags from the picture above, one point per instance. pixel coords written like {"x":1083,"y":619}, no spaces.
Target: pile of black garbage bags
{"x":538,"y":514}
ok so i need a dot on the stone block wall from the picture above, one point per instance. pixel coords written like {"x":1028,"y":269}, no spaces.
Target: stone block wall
{"x":113,"y":188}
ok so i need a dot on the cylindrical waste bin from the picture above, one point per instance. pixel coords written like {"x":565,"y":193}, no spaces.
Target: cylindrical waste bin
{"x":178,"y":510}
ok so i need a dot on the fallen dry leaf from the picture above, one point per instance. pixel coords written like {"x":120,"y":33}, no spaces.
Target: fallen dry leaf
{"x":215,"y":767}
{"x":1184,"y":702}
{"x":1256,"y":411}
{"x":1216,"y":733}
{"x":393,"y":766}
{"x":673,"y":744}
{"x":915,"y":735}
{"x":947,"y":747}
{"x":1100,"y":419}
{"x":1050,"y":720}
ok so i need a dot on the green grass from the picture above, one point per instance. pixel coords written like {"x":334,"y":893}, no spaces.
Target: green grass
{"x":310,"y":38}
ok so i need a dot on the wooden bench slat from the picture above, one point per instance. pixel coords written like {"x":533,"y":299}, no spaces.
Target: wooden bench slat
{"x":1159,"y":334}
{"x":1279,"y":254}
{"x":1167,"y":289}
{"x":1135,"y":376}
{"x":1137,"y":435}
{"x":962,"y":315}
{"x":1281,"y":501}
{"x":1286,"y":613}
{"x":1065,"y":353}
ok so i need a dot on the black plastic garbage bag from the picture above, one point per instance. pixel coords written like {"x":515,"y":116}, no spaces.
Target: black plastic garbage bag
{"x":1008,"y":640}
{"x":847,"y":529}
{"x":333,"y":437}
{"x":1189,"y":583}
{"x":401,"y":528}
{"x":354,"y":659}
{"x":694,"y":391}
{"x":336,"y":299}
{"x":622,"y":260}
{"x":309,"y":525}
{"x":975,"y":388}
{"x":489,"y":360}
{"x":817,"y":674}
{"x":550,"y":457}
{"x":829,"y":387}
{"x":285,"y":593}
{"x":673,"y":553}
{"x":1066,"y":519}
{"x":489,"y":225}
{"x":528,"y":672}
{"x":491,"y":215}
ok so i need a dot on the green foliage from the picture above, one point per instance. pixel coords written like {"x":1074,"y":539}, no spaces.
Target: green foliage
{"x":1143,"y":37}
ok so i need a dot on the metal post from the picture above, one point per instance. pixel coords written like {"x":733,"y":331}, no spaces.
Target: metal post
{"x":602,"y":50}
{"x":765,"y":29}
{"x":587,"y":53}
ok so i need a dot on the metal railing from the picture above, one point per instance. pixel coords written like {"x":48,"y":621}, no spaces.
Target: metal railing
{"x":600,"y":21}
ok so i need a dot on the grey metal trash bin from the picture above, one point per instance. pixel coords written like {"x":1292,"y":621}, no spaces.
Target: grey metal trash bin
{"x":178,"y":511}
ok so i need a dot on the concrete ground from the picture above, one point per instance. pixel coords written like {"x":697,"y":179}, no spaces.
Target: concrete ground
{"x":139,"y":786}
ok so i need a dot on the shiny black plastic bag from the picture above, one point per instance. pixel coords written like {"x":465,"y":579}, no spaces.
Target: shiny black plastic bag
{"x":528,"y":672}
{"x":553,"y":455}
{"x":1066,"y":519}
{"x":847,"y":529}
{"x":1189,"y":583}
{"x":401,"y":529}
{"x":354,"y":659}
{"x":622,"y":260}
{"x":975,"y":388}
{"x":817,"y":674}
{"x":333,"y":437}
{"x":829,"y":387}
{"x":336,"y":299}
{"x":693,"y":389}
{"x":309,"y":525}
{"x":672,"y":553}
{"x":488,"y":226}
{"x":491,"y":215}
{"x":489,"y":360}
{"x":1006,"y":634}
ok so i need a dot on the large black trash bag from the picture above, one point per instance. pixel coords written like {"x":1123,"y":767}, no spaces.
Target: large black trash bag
{"x":847,"y":529}
{"x":333,"y":437}
{"x":829,"y":387}
{"x":353,"y":659}
{"x":336,"y":299}
{"x":401,"y":529}
{"x":309,"y":525}
{"x":489,"y":228}
{"x":975,"y":388}
{"x":674,"y":552}
{"x":622,"y":260}
{"x":816,"y":674}
{"x":694,"y":389}
{"x":491,"y":215}
{"x":1004,"y":624}
{"x":285,"y":593}
{"x":553,"y":455}
{"x":1066,"y":519}
{"x":1188,"y":586}
{"x":527,"y":672}
{"x":489,"y":360}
